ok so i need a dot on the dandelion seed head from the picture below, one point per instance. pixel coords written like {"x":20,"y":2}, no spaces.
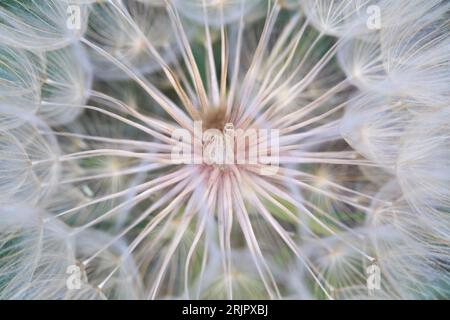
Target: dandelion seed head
{"x":224,"y":149}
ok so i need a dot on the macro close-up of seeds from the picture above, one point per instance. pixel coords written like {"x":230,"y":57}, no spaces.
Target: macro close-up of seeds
{"x":224,"y":149}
